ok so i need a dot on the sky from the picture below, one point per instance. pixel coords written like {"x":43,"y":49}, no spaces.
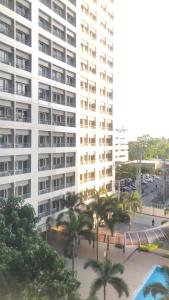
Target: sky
{"x":141,"y":66}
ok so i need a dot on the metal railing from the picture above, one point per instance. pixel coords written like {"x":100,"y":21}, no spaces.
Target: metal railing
{"x":24,"y":145}
{"x":45,"y":144}
{"x":58,"y":187}
{"x":23,"y":119}
{"x":44,"y":168}
{"x":58,"y":166}
{"x":42,"y":121}
{"x":44,"y":191}
{"x":7,"y":118}
{"x":8,"y":145}
{"x":23,"y":171}
{"x":6,"y":173}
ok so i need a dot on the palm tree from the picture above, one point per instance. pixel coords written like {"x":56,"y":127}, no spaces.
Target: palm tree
{"x":74,"y":201}
{"x":159,"y":288}
{"x":131,"y":202}
{"x":107,"y":275}
{"x":99,"y":210}
{"x":75,"y":226}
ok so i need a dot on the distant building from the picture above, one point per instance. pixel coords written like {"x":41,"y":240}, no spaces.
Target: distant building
{"x":121,"y":145}
{"x":154,"y":164}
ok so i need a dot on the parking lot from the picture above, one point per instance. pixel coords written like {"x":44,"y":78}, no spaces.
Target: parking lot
{"x":151,"y":189}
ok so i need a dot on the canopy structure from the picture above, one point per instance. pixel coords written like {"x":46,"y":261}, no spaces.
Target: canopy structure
{"x":146,"y":236}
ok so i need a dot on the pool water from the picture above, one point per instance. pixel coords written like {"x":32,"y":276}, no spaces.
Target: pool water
{"x":156,"y":276}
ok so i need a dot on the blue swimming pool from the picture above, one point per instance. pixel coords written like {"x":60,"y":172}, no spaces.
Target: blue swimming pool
{"x":156,"y":275}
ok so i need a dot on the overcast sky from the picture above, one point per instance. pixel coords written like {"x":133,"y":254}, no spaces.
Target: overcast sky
{"x":142,"y":66}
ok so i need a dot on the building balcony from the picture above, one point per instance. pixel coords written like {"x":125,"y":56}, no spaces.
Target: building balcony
{"x":6,"y":89}
{"x":23,"y":119}
{"x":44,"y":191}
{"x":7,"y":117}
{"x":7,"y":3}
{"x":58,"y":166}
{"x":44,"y":214}
{"x":44,"y":168}
{"x":58,"y":187}
{"x":70,"y":165}
{"x":23,"y":67}
{"x":25,"y":196}
{"x":6,"y":173}
{"x":24,"y":145}
{"x":22,"y":171}
{"x":44,"y":145}
{"x":46,"y":2}
{"x":47,"y":121}
{"x":59,"y":123}
{"x":70,"y":184}
{"x":23,"y":93}
{"x":7,"y":145}
{"x":58,"y":145}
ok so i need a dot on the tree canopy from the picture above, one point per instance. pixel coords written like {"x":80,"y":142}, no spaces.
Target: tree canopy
{"x":30,"y":269}
{"x":151,"y":148}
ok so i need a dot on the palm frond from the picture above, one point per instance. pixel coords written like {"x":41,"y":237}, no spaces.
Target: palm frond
{"x":117,"y":268}
{"x":154,"y":289}
{"x":165,"y":269}
{"x":95,"y":265}
{"x":119,"y":285}
{"x":96,"y":285}
{"x":89,"y":235}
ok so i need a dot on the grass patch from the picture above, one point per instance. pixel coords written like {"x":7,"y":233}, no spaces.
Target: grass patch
{"x":150,"y":247}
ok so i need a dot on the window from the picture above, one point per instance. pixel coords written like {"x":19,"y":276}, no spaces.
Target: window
{"x":44,"y":209}
{"x":59,"y":54}
{"x":44,"y":21}
{"x":44,"y":71}
{"x":5,"y":28}
{"x":59,"y":31}
{"x":44,"y":93}
{"x":22,"y":63}
{"x":70,"y":79}
{"x":71,"y":38}
{"x":58,"y":96}
{"x":58,"y":76}
{"x":71,"y":99}
{"x":71,"y":58}
{"x":5,"y":57}
{"x":44,"y":47}
{"x":71,"y":17}
{"x":6,"y":83}
{"x":22,"y":37}
{"x":22,"y":10}
{"x":21,"y":88}
{"x":59,"y":8}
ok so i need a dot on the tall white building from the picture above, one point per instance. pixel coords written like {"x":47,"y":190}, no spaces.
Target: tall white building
{"x":121,"y":145}
{"x":56,"y":100}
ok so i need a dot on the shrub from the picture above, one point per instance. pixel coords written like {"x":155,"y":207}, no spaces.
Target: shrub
{"x":150,"y":247}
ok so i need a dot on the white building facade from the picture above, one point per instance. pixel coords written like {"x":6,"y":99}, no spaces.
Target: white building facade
{"x":56,"y":100}
{"x":121,"y":145}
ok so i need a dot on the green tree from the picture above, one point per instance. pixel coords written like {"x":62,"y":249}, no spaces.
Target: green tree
{"x":131,"y":203}
{"x":107,"y":275}
{"x":150,"y":147}
{"x":28,"y":265}
{"x":158,"y":288}
{"x":98,"y":210}
{"x":75,"y":226}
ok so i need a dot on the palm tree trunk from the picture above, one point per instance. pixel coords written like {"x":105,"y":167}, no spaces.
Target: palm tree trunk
{"x":104,"y":290}
{"x":46,"y":234}
{"x":73,"y":257}
{"x":97,"y":240}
